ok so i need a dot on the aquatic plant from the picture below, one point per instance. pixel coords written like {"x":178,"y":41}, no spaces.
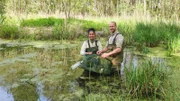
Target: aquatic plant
{"x":127,"y":29}
{"x":173,"y":46}
{"x":151,"y":34}
{"x":9,"y":32}
{"x":147,"y":80}
{"x":41,"y":22}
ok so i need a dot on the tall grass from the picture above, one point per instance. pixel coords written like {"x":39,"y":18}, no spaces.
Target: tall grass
{"x":173,"y":45}
{"x":151,"y":34}
{"x":147,"y":80}
{"x":155,"y":33}
{"x":142,"y":34}
{"x":41,"y":22}
{"x":65,"y":28}
{"x":49,"y":22}
{"x":9,"y":32}
{"x":127,"y":28}
{"x":13,"y":32}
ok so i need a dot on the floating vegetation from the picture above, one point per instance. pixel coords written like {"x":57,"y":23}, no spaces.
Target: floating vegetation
{"x":44,"y":67}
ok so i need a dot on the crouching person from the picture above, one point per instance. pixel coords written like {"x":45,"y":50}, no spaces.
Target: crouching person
{"x":114,"y":47}
{"x":92,"y":62}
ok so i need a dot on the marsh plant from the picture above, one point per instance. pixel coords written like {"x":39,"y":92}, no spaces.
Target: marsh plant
{"x":127,"y":28}
{"x":152,"y":34}
{"x":41,"y":22}
{"x":147,"y":80}
{"x":9,"y":32}
{"x":173,"y":46}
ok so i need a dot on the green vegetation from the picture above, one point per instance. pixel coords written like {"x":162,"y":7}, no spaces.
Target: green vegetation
{"x":9,"y":32}
{"x":173,"y":45}
{"x":48,"y":63}
{"x":151,"y":34}
{"x":140,"y":34}
{"x":2,"y":11}
{"x":151,"y":27}
{"x":41,"y":22}
{"x":50,"y":22}
{"x":147,"y":80}
{"x":63,"y":28}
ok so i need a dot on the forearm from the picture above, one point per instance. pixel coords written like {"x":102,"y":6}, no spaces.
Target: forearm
{"x":117,"y":50}
{"x":82,"y":53}
{"x":104,"y":50}
{"x":83,"y":48}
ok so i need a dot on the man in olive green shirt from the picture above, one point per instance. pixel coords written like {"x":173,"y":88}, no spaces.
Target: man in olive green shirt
{"x":114,"y":47}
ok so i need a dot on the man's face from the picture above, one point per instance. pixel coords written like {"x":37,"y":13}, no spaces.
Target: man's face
{"x":112,"y":27}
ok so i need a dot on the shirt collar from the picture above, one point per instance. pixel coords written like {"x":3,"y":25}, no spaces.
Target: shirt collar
{"x":92,"y":41}
{"x":112,"y":34}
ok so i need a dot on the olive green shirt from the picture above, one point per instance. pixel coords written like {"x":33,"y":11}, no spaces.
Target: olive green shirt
{"x":118,"y":41}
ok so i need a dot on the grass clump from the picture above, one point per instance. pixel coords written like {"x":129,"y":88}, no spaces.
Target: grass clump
{"x":41,"y":22}
{"x":49,"y":22}
{"x":127,"y":28}
{"x":9,"y":32}
{"x":147,"y":80}
{"x":151,"y":34}
{"x":173,"y":46}
{"x":64,"y":28}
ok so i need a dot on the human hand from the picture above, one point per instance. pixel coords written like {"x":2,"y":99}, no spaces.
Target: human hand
{"x":105,"y":55}
{"x":98,"y":52}
{"x":88,"y":52}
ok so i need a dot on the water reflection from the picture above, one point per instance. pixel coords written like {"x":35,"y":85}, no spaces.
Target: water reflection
{"x":40,"y":73}
{"x":5,"y":95}
{"x":25,"y":91}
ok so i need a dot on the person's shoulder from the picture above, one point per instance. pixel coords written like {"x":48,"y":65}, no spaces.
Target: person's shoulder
{"x":119,"y":35}
{"x":97,"y":41}
{"x":85,"y":42}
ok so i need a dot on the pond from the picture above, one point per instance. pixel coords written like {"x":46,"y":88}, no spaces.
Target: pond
{"x":41,"y":71}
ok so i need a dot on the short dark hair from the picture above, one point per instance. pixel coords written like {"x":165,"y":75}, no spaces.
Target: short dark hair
{"x":91,"y":29}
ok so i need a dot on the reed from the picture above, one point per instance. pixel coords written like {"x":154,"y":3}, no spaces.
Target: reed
{"x":147,"y":80}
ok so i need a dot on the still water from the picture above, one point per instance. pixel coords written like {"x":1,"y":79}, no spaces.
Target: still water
{"x":40,"y":71}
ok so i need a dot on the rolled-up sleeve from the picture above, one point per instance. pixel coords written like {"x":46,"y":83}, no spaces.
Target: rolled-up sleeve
{"x":106,"y":44}
{"x":119,"y":41}
{"x":99,"y":46}
{"x":83,"y":48}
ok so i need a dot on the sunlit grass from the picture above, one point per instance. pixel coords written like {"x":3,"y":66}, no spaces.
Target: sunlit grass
{"x":146,"y":80}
